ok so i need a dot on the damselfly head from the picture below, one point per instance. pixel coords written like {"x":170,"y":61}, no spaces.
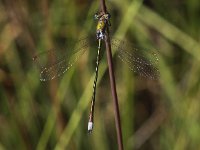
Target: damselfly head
{"x":102,"y":15}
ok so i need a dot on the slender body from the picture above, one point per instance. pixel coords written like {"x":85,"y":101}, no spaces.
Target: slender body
{"x":103,"y":22}
{"x":133,"y":57}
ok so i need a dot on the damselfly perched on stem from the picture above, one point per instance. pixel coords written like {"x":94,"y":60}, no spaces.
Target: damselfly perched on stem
{"x":140,"y":61}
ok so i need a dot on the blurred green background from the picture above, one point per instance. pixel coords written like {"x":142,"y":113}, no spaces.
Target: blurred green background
{"x":155,"y":115}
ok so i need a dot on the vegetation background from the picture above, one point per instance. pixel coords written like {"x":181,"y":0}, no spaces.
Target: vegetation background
{"x":155,"y":115}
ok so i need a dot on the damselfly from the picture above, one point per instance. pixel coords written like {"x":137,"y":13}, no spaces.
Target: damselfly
{"x":140,"y":61}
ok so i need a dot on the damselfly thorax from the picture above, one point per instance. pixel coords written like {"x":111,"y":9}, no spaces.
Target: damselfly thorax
{"x":102,"y":24}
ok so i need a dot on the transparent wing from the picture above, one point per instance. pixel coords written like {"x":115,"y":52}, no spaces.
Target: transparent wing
{"x":54,"y":63}
{"x":142,"y":62}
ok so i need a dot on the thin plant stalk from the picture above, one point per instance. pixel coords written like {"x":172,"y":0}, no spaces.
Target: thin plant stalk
{"x":112,"y":83}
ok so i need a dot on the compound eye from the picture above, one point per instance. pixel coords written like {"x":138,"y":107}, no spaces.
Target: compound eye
{"x":107,"y":16}
{"x":96,"y":16}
